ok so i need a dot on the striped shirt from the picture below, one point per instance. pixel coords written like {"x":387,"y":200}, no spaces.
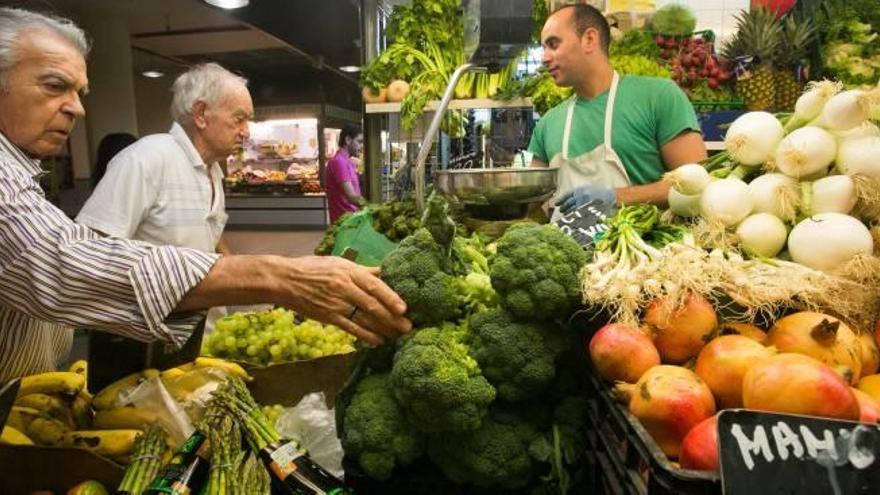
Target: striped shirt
{"x":54,"y":270}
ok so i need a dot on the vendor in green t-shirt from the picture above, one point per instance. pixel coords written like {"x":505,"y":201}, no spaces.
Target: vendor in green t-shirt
{"x":616,"y":137}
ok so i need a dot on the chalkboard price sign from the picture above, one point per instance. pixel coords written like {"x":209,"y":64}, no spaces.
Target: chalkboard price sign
{"x":586,"y":222}
{"x":767,"y":453}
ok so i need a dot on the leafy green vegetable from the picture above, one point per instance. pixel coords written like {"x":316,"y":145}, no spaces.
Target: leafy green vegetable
{"x":639,"y":65}
{"x":675,"y":20}
{"x":635,"y":42}
{"x":540,"y":87}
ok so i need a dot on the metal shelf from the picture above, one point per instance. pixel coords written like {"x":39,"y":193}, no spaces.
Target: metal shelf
{"x":394,"y":107}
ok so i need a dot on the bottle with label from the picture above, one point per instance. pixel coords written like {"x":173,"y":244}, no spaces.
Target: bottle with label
{"x":186,"y":472}
{"x":293,"y":472}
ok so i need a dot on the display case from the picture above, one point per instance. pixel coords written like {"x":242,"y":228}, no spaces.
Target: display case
{"x":275,"y":180}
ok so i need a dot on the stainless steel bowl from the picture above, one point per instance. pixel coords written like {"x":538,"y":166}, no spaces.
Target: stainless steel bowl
{"x":497,"y":186}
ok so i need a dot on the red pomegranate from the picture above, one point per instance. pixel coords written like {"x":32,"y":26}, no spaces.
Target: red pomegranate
{"x":869,"y":409}
{"x":821,"y":336}
{"x":680,"y":333}
{"x":622,"y":352}
{"x":870,"y":355}
{"x":798,"y":384}
{"x":723,"y":363}
{"x":668,"y":401}
{"x":699,"y":449}
{"x":745,"y":329}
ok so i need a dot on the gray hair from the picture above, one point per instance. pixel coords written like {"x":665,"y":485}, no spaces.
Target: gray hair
{"x":204,"y":82}
{"x":13,"y":22}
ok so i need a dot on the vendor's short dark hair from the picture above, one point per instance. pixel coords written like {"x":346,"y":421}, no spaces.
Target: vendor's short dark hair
{"x":586,"y":16}
{"x":349,"y":131}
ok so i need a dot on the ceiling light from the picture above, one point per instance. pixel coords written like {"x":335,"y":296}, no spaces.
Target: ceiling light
{"x":228,"y":4}
{"x":152,"y":74}
{"x":350,"y":68}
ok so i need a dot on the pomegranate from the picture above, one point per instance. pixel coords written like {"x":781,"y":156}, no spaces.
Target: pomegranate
{"x":745,"y":329}
{"x":679,"y":334}
{"x":820,"y":336}
{"x":870,"y":355}
{"x":622,"y":352}
{"x":798,"y":384}
{"x":699,"y":449}
{"x":870,"y":385}
{"x":869,"y":409}
{"x":669,"y":401}
{"x":723,"y":363}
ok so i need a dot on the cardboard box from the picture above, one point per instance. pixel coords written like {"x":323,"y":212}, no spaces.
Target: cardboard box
{"x":287,"y":383}
{"x":26,"y":468}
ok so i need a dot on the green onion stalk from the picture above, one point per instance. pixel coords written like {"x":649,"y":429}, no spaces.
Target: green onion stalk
{"x":145,"y":462}
{"x":721,"y":166}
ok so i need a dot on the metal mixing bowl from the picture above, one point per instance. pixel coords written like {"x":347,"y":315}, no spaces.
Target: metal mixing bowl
{"x":497,"y":186}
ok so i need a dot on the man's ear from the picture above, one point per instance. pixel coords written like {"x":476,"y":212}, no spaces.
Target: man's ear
{"x":198,"y":114}
{"x":590,"y":40}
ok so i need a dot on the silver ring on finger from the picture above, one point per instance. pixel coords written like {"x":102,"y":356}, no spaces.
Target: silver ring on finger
{"x":354,"y":310}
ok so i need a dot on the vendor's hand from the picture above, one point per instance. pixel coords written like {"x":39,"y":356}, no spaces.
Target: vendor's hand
{"x":336,"y":291}
{"x":584,"y":194}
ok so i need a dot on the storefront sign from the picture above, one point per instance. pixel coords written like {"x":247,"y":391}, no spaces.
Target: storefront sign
{"x":765,"y":453}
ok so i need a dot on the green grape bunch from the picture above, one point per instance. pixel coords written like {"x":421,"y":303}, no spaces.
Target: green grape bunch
{"x":274,"y":336}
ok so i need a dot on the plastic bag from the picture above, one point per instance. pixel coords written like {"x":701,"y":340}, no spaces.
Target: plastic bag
{"x":313,"y":426}
{"x":152,"y":396}
{"x":357,"y":232}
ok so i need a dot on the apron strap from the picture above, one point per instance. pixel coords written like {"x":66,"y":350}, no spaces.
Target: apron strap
{"x":566,"y":133}
{"x":609,"y":110}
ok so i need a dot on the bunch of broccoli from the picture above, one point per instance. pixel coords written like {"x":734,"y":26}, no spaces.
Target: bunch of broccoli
{"x":474,"y":386}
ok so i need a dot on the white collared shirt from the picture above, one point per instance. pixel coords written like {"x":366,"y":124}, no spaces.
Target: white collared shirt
{"x":158,"y":190}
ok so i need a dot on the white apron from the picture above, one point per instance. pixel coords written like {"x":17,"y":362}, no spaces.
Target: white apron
{"x":600,"y":166}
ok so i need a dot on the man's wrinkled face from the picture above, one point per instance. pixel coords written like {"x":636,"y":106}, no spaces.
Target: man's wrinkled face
{"x":41,"y":99}
{"x":224,"y":125}
{"x":563,"y":49}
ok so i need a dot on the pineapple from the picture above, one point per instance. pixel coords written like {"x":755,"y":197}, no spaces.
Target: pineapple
{"x":758,"y":33}
{"x":797,"y":35}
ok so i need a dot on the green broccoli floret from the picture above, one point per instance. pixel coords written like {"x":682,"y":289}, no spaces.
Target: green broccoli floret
{"x":536,"y":271}
{"x":375,"y":431}
{"x":416,"y":271}
{"x":517,"y":357}
{"x":495,"y":455}
{"x":438,"y":385}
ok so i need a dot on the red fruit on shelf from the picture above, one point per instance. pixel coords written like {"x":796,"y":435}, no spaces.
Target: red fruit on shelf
{"x":666,"y":53}
{"x":699,"y":449}
{"x":670,"y":43}
{"x":660,"y":40}
{"x":713,"y":83}
{"x":779,"y":7}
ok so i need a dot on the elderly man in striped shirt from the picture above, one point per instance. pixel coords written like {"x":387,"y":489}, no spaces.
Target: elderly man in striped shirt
{"x":56,"y":274}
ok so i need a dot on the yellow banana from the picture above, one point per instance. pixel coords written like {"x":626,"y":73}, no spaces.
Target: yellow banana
{"x":108,"y":397}
{"x":11,"y":436}
{"x":20,"y":417}
{"x":171,"y":374}
{"x":81,"y":407}
{"x":123,"y":418}
{"x":53,"y":382}
{"x":231,"y":368}
{"x":47,"y":431}
{"x":80,"y":367}
{"x":111,"y":443}
{"x":48,"y":405}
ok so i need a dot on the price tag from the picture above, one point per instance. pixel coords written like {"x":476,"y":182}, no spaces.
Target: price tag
{"x":784,"y":454}
{"x":585,"y":222}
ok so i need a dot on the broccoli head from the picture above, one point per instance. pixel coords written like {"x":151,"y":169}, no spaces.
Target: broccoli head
{"x":517,"y":357}
{"x":375,"y":431}
{"x":438,"y":385}
{"x":416,"y":271}
{"x":536,"y":271}
{"x":495,"y":455}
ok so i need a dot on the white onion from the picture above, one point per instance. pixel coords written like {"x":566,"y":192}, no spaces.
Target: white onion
{"x":727,"y":201}
{"x":860,"y":156}
{"x":683,"y":205}
{"x":811,"y":102}
{"x":846,"y":110}
{"x":753,"y":137}
{"x":805,"y":151}
{"x":762,"y":234}
{"x":833,"y":194}
{"x":776,"y":194}
{"x":827,"y":240}
{"x":867,"y":129}
{"x":689,"y":179}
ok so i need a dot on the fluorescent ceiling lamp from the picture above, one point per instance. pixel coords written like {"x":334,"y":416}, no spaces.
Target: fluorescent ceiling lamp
{"x":228,"y":4}
{"x":350,"y":68}
{"x":152,"y":74}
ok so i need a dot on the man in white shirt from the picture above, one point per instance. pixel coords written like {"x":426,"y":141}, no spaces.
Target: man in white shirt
{"x":167,"y":189}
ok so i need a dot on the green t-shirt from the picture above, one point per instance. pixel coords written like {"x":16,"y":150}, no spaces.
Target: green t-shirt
{"x":648,"y":113}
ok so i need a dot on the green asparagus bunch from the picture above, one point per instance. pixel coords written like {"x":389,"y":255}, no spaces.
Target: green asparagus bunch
{"x":225,"y":437}
{"x":234,"y":398}
{"x":253,"y":476}
{"x":145,"y":462}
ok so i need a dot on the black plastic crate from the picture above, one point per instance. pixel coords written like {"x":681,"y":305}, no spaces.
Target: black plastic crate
{"x":624,"y":459}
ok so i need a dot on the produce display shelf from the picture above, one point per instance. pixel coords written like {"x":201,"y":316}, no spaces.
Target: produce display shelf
{"x":624,"y":459}
{"x":394,"y":107}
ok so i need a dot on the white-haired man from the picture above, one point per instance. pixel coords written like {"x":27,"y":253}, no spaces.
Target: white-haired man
{"x":168,"y":188}
{"x":55,"y":272}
